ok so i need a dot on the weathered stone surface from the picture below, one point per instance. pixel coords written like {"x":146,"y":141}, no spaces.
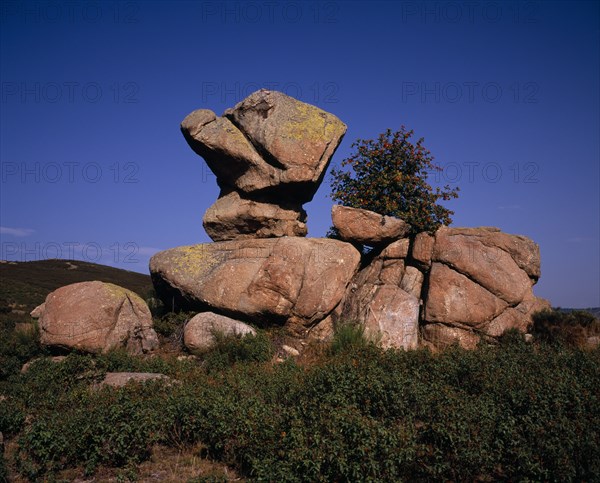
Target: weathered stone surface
{"x":37,"y":312}
{"x":509,"y":319}
{"x":324,"y":330}
{"x":199,"y":332}
{"x":96,"y":317}
{"x":233,"y":217}
{"x":483,"y":255}
{"x":269,"y":145}
{"x":396,"y":249}
{"x":454,"y":299}
{"x":422,"y":249}
{"x":228,"y":153}
{"x":392,"y":272}
{"x":439,"y":336}
{"x":412,"y":281}
{"x":120,"y":379}
{"x":295,"y":137}
{"x":367,"y":227}
{"x":518,"y":317}
{"x":290,"y":351}
{"x":296,"y":280}
{"x":532,"y":304}
{"x":389,"y":315}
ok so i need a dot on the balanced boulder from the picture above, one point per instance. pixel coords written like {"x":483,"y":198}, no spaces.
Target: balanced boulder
{"x":295,"y":137}
{"x":269,"y":154}
{"x":96,"y":317}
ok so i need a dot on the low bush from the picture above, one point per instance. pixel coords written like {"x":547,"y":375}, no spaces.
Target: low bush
{"x":348,"y":336}
{"x":232,"y":349}
{"x":17,"y":347}
{"x":571,"y":328}
{"x":515,"y":411}
{"x":171,"y":324}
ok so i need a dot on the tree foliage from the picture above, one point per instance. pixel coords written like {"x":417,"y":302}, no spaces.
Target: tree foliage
{"x":389,"y":176}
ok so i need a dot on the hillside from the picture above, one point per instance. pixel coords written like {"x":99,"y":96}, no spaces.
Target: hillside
{"x":24,"y":285}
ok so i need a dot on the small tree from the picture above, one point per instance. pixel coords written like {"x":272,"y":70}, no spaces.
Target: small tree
{"x":389,"y":177}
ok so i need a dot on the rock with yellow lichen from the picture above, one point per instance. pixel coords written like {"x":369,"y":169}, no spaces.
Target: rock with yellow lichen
{"x":291,"y":281}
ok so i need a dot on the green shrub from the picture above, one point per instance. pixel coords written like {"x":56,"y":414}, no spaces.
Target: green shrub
{"x":12,"y":416}
{"x":3,"y":469}
{"x":16,"y":348}
{"x":570,"y":328}
{"x":389,"y":176}
{"x":232,"y":349}
{"x":171,"y":324}
{"x":348,"y":337}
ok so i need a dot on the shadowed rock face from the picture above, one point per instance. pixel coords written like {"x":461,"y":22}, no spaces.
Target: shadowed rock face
{"x":290,"y":280}
{"x":378,"y":300}
{"x":96,"y":317}
{"x":270,"y":149}
{"x":233,"y":217}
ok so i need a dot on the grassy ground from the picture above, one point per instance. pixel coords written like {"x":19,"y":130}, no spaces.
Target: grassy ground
{"x":344,"y":411}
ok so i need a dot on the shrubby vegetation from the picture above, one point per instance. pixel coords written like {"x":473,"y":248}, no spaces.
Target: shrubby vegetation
{"x":515,"y":411}
{"x":571,"y":328}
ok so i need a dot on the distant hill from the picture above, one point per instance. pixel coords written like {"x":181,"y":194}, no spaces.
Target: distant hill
{"x":24,"y":285}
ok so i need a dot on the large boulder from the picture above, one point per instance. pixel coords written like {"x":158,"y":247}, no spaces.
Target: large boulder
{"x":453,"y":298}
{"x":367,"y":227}
{"x":96,"y":317}
{"x":503,"y":264}
{"x":286,"y":280}
{"x":268,"y":142}
{"x":233,"y":217}
{"x":479,"y":284}
{"x":200,"y":333}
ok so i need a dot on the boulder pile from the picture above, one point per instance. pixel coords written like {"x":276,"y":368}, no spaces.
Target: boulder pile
{"x":269,"y":154}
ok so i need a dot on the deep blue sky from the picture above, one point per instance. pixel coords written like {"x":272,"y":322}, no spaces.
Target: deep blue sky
{"x":506,"y":96}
